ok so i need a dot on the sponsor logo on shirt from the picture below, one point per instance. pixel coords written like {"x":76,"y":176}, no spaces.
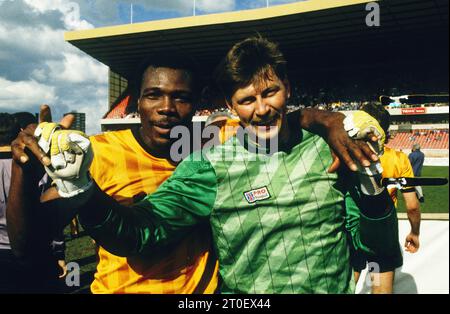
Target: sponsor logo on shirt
{"x":257,"y":195}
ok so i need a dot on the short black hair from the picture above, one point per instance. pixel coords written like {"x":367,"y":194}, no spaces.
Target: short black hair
{"x":9,"y":129}
{"x":24,"y":118}
{"x":251,"y":59}
{"x":171,"y":61}
{"x":380,"y":114}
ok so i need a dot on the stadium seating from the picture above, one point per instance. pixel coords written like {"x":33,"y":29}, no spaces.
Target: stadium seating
{"x":427,"y":139}
{"x":119,"y":111}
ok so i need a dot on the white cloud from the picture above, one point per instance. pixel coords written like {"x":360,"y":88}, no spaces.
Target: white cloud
{"x":37,"y":66}
{"x":39,"y":74}
{"x":93,"y":102}
{"x":41,"y":41}
{"x":42,"y":6}
{"x":76,"y":68}
{"x":23,"y":94}
{"x":93,"y":115}
{"x":215,"y":5}
{"x":70,"y":12}
{"x":106,"y":11}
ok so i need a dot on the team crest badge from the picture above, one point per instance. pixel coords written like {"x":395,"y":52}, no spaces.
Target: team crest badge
{"x":257,"y":195}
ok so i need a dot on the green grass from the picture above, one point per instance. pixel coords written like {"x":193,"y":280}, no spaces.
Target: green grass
{"x":436,"y":197}
{"x":82,"y":251}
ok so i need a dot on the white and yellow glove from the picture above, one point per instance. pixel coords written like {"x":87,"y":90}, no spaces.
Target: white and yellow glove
{"x":71,"y":156}
{"x":359,"y":125}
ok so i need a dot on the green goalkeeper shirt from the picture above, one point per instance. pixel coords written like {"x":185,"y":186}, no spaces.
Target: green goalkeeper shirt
{"x":277,"y":221}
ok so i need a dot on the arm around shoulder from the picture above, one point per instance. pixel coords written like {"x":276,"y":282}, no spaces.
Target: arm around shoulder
{"x":162,"y":218}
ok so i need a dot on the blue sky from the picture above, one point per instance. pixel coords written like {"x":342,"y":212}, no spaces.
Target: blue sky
{"x":141,"y":13}
{"x":156,"y":9}
{"x":37,"y":66}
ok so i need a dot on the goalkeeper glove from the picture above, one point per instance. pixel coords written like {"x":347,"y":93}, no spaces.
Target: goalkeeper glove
{"x":70,"y":154}
{"x":359,"y":125}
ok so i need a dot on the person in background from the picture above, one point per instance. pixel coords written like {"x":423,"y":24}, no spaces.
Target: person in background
{"x":8,"y":266}
{"x":24,"y":119}
{"x":58,"y":245}
{"x":17,"y":276}
{"x":395,"y":164}
{"x":417,"y":158}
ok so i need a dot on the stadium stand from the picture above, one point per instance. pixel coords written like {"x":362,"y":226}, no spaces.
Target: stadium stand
{"x":119,"y":111}
{"x":427,"y":139}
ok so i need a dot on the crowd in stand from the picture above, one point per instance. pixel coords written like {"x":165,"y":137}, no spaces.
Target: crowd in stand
{"x":428,"y":139}
{"x":428,"y":135}
{"x":419,"y":122}
{"x":331,"y":99}
{"x":423,"y":105}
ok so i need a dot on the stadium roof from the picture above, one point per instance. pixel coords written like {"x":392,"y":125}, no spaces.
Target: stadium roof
{"x":325,"y":30}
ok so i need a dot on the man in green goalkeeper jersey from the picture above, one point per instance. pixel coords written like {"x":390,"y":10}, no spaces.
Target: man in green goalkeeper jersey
{"x":276,"y":214}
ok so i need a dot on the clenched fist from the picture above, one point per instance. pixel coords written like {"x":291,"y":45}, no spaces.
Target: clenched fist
{"x":70,"y":155}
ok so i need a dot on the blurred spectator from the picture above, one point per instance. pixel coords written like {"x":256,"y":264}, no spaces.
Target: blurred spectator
{"x":15,"y":275}
{"x":417,"y":158}
{"x":24,"y":119}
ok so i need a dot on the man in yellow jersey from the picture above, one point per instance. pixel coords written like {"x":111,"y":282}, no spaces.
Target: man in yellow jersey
{"x":129,"y":164}
{"x":395,"y":164}
{"x":132,"y":163}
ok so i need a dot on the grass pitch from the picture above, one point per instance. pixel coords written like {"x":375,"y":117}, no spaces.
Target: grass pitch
{"x":436,"y":197}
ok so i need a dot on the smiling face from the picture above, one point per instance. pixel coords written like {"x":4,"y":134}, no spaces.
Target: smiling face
{"x":261,"y":106}
{"x":166,"y":100}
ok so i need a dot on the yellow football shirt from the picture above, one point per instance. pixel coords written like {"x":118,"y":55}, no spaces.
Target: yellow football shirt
{"x":124,"y":170}
{"x":395,"y":165}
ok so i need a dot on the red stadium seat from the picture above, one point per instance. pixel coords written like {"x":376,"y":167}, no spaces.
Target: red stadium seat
{"x":425,"y":138}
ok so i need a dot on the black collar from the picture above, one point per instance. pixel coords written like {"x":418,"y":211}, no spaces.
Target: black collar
{"x":5,"y":155}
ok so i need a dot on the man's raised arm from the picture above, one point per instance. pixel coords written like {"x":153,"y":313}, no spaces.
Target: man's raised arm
{"x":334,"y":128}
{"x":183,"y":201}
